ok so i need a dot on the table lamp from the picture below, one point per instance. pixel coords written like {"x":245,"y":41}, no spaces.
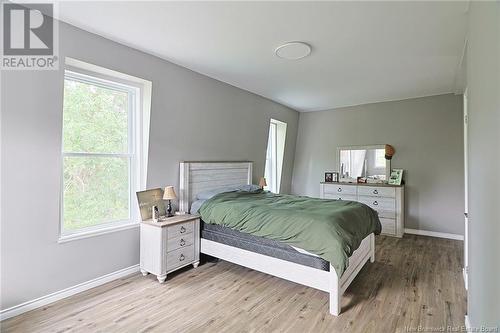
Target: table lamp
{"x":169,"y":194}
{"x":262,"y":182}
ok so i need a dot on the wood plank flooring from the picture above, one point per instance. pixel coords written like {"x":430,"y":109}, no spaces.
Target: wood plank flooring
{"x":415,"y":281}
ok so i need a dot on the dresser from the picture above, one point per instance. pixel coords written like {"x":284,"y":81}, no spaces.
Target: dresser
{"x":387,"y":200}
{"x":169,"y":245}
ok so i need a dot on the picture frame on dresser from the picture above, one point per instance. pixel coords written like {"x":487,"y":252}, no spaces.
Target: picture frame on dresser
{"x":396,"y":177}
{"x":335,"y":177}
{"x":328,"y":177}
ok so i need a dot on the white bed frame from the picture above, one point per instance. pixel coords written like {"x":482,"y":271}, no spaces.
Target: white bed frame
{"x":201,"y":176}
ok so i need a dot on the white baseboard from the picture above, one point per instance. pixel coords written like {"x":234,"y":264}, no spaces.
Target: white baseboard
{"x":434,"y":234}
{"x":58,"y":295}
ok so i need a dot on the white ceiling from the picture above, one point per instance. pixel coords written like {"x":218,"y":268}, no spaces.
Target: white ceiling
{"x":363,"y":52}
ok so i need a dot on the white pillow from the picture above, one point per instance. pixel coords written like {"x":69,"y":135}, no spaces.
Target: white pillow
{"x":205,"y":195}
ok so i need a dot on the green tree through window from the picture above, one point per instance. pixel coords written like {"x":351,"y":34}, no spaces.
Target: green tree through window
{"x":98,"y":152}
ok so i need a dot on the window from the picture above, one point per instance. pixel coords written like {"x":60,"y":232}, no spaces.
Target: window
{"x":274,"y":155}
{"x":380,"y":158}
{"x":102,"y":152}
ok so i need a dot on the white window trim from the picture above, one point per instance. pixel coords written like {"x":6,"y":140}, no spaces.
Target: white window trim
{"x":139,"y":144}
{"x":278,"y":152}
{"x":96,"y":232}
{"x":273,"y":182}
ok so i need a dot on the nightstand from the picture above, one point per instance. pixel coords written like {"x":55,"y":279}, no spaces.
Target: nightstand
{"x":169,"y":245}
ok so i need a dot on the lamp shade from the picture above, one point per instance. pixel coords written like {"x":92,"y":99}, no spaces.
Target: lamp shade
{"x":169,"y":193}
{"x":262,"y":182}
{"x":389,"y":152}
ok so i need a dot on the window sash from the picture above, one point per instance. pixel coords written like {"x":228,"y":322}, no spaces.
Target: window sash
{"x":131,"y":155}
{"x":97,"y":80}
{"x":105,"y":223}
{"x":379,"y":158}
{"x":274,"y":152}
{"x":97,"y":154}
{"x":272,"y":158}
{"x":110,"y":85}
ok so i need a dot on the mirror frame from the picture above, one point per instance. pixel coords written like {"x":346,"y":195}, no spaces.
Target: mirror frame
{"x":365,"y":147}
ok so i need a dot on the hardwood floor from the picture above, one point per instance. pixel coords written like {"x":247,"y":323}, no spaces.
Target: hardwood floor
{"x":415,"y":281}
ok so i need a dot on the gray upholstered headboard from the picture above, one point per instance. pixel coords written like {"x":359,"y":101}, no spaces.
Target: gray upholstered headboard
{"x":196,"y":177}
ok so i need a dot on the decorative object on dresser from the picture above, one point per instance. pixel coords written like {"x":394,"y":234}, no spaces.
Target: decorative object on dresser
{"x":361,"y":180}
{"x":387,"y":200}
{"x":396,"y":177}
{"x":335,"y":176}
{"x":169,"y":194}
{"x":169,"y":245}
{"x":389,"y":152}
{"x":328,"y":177}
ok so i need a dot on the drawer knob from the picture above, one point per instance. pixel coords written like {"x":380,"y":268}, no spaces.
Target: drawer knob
{"x":339,"y":189}
{"x":181,"y":258}
{"x":182,"y":242}
{"x":375,"y":192}
{"x":375,"y":203}
{"x":340,"y":199}
{"x":183,"y":230}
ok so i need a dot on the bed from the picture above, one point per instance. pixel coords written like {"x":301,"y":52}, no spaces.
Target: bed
{"x":268,"y":256}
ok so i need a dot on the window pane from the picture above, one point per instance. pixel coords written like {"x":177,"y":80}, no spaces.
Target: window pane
{"x":95,"y":118}
{"x":96,"y":191}
{"x":270,"y":168}
{"x":380,"y":158}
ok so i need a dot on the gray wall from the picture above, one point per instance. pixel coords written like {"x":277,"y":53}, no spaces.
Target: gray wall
{"x":483,"y":83}
{"x":427,"y":134}
{"x":193,"y":118}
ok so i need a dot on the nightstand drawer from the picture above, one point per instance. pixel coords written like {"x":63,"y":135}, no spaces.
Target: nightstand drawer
{"x":180,"y":257}
{"x":180,"y":229}
{"x":182,"y":241}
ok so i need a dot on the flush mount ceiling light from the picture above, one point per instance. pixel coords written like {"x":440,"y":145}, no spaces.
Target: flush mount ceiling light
{"x":293,"y":50}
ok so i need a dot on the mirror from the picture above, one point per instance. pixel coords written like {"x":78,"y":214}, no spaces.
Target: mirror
{"x":363,"y":161}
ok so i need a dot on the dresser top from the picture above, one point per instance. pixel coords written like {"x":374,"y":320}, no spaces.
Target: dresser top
{"x":362,"y":184}
{"x":172,"y":220}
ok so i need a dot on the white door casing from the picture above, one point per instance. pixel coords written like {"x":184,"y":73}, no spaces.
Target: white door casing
{"x":466,"y":192}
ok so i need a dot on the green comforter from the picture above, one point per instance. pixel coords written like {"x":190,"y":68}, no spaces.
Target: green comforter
{"x":331,"y":229}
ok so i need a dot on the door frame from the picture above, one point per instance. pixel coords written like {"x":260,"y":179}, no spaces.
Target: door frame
{"x":466,"y":190}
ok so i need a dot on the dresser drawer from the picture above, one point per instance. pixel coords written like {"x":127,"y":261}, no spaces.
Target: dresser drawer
{"x":388,"y":192}
{"x":180,"y":257}
{"x":388,"y":226}
{"x":180,"y":229}
{"x":181,"y":241}
{"x":340,"y":189}
{"x":340,"y":196}
{"x":386,"y":207}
